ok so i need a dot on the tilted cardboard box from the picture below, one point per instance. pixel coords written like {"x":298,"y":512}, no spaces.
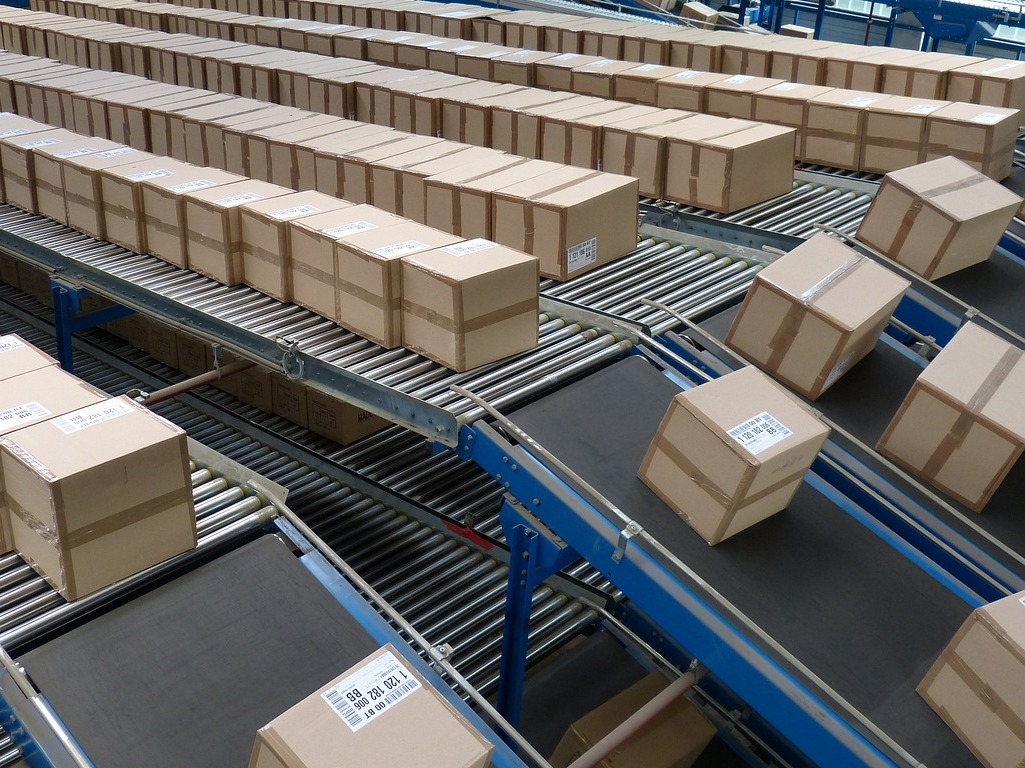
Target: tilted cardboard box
{"x":49,"y":173}
{"x":368,"y":713}
{"x":811,"y":315}
{"x":976,"y":684}
{"x":938,"y":217}
{"x":984,"y":137}
{"x":994,"y":82}
{"x":731,"y":452}
{"x":469,"y":304}
{"x":961,"y":427}
{"x":98,"y":494}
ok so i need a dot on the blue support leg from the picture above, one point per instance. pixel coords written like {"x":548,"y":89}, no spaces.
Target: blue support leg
{"x":65,"y":306}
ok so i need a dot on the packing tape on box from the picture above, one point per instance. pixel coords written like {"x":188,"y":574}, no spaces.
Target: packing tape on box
{"x":908,"y":221}
{"x":315,"y":272}
{"x":265,"y":255}
{"x":217,"y":244}
{"x":473,"y":324}
{"x":986,"y":695}
{"x":963,"y":424}
{"x":362,"y":294}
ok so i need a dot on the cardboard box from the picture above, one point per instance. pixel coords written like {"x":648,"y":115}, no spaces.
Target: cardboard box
{"x":513,"y":128}
{"x":802,"y":61}
{"x":731,"y":452}
{"x":575,"y":136}
{"x":121,"y":194}
{"x":835,"y":127}
{"x":895,"y":133}
{"x":983,"y":137}
{"x":994,"y":82}
{"x":860,"y":68}
{"x":289,"y":399}
{"x":312,"y":246}
{"x":571,"y":219}
{"x":16,"y":161}
{"x":83,"y":189}
{"x":556,"y":73}
{"x":465,"y":120}
{"x":637,"y":147}
{"x":98,"y":494}
{"x":194,"y":355}
{"x":17,"y":356}
{"x":747,"y":55}
{"x":369,"y":277}
{"x":253,"y":387}
{"x":811,"y":315}
{"x":795,"y":30}
{"x":686,"y":89}
{"x":975,"y":685}
{"x":469,"y":304}
{"x":639,"y":84}
{"x":266,"y":256}
{"x":597,"y":78}
{"x":214,"y":228}
{"x":49,"y":176}
{"x":787,"y":104}
{"x":728,"y":166}
{"x":699,"y":12}
{"x":674,"y":739}
{"x":938,"y":217}
{"x":339,"y":421}
{"x":734,"y":96}
{"x":518,"y":67}
{"x":923,"y":76}
{"x":163,"y":209}
{"x":335,"y":720}
{"x":960,"y":427}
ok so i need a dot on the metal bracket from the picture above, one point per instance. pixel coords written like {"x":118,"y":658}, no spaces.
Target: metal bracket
{"x":292,"y":366}
{"x":631,"y":530}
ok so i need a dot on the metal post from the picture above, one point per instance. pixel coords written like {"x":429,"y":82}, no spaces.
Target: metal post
{"x":65,"y":305}
{"x":925,"y":41}
{"x":820,"y":18}
{"x":742,"y":12}
{"x":891,"y":26}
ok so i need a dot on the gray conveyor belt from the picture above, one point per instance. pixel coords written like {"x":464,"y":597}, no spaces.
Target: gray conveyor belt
{"x":185,"y":675}
{"x":995,"y":287}
{"x":852,"y":609}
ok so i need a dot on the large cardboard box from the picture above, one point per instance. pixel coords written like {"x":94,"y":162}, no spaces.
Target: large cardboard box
{"x":731,"y":452}
{"x":17,"y":356}
{"x":976,"y":684}
{"x":639,"y":84}
{"x":121,"y":193}
{"x":340,"y":719}
{"x":517,"y":66}
{"x":16,"y":162}
{"x":49,"y":176}
{"x":894,"y":135}
{"x":860,"y":68}
{"x":369,"y":277}
{"x":923,"y":76}
{"x":469,"y":304}
{"x":674,"y":739}
{"x":748,"y":55}
{"x":994,"y":82}
{"x":686,"y":89}
{"x":637,"y":146}
{"x":803,"y":61}
{"x":597,"y":78}
{"x":961,"y":426}
{"x":575,"y":136}
{"x":938,"y":217}
{"x":572,"y":219}
{"x":289,"y":399}
{"x":556,"y":73}
{"x":811,"y":315}
{"x":984,"y":137}
{"x":835,"y":127}
{"x":214,"y":228}
{"x":787,"y":104}
{"x":83,"y":191}
{"x":734,"y":96}
{"x":266,"y":255}
{"x":98,"y":494}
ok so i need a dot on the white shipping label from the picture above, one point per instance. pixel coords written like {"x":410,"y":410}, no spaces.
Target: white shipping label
{"x":738,"y":79}
{"x":12,"y":132}
{"x":600,"y":64}
{"x":8,"y":343}
{"x":470,"y":246}
{"x":370,"y":692}
{"x":190,"y":186}
{"x":19,"y":414}
{"x":401,"y":39}
{"x":245,"y":197}
{"x":400,"y":249}
{"x":457,"y":14}
{"x":785,"y":87}
{"x":143,"y":175}
{"x":40,"y":143}
{"x":759,"y":432}
{"x":349,"y":229}
{"x":75,"y":152}
{"x":988,"y":118}
{"x":922,"y":109}
{"x":296,"y":210}
{"x":645,"y":67}
{"x":491,"y":54}
{"x":582,"y":254}
{"x":861,"y":101}
{"x":463,"y":48}
{"x":91,"y":415}
{"x":116,"y":152}
{"x":687,"y":74}
{"x":566,"y":57}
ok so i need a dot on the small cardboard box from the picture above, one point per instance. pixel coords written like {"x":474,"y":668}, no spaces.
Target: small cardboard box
{"x":731,"y":452}
{"x":572,"y":219}
{"x":16,"y":161}
{"x":976,"y":684}
{"x":938,"y":217}
{"x":121,"y":193}
{"x":811,"y":315}
{"x":83,"y":192}
{"x":994,"y":82}
{"x":795,"y":30}
{"x":469,"y":304}
{"x":894,"y":135}
{"x":734,"y":96}
{"x":983,"y":137}
{"x":338,"y":420}
{"x":214,"y":228}
{"x":194,"y":355}
{"x":686,"y":89}
{"x":266,"y":256}
{"x":340,"y":719}
{"x":674,"y":739}
{"x":700,"y":13}
{"x":369,"y":277}
{"x":17,"y":356}
{"x":98,"y":494}
{"x":49,"y":176}
{"x":163,"y":208}
{"x":312,"y":246}
{"x":961,"y":428}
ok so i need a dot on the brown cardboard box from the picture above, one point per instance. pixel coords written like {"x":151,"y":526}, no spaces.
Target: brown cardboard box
{"x":860,"y":68}
{"x":163,"y":209}
{"x":339,"y":421}
{"x":787,"y":104}
{"x":83,"y":192}
{"x":266,"y":257}
{"x":289,"y":399}
{"x":556,"y":73}
{"x":687,"y":89}
{"x":597,"y":78}
{"x":253,"y":386}
{"x":938,"y":217}
{"x":334,"y":720}
{"x":194,"y":355}
{"x":696,"y":49}
{"x":795,"y":30}
{"x":82,"y":539}
{"x":895,"y":134}
{"x":469,"y":304}
{"x":923,"y":76}
{"x":575,"y":136}
{"x":369,"y":277}
{"x":16,"y":161}
{"x":734,"y":96}
{"x":835,"y":126}
{"x":981,"y":136}
{"x":17,"y":356}
{"x":674,"y":739}
{"x":162,"y":344}
{"x":463,"y":118}
{"x":49,"y":176}
{"x":731,"y":453}
{"x":572,"y":219}
{"x":637,"y":147}
{"x":512,"y":128}
{"x":700,"y":13}
{"x":9,"y":270}
{"x":811,"y":315}
{"x":121,"y":193}
{"x":802,"y":61}
{"x":975,"y":685}
{"x":639,"y":84}
{"x":518,"y":66}
{"x":312,"y":246}
{"x":994,"y":82}
{"x":728,"y":166}
{"x":331,"y":150}
{"x":354,"y":168}
{"x":213,"y":226}
{"x":960,"y":428}
{"x":748,"y":55}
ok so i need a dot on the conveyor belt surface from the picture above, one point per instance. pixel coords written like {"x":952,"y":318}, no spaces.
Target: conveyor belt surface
{"x":853,"y":610}
{"x":186,"y":674}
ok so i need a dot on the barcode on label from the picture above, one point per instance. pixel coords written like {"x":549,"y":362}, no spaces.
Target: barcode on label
{"x":22,"y":413}
{"x":12,"y":132}
{"x":188,"y":186}
{"x":143,"y":175}
{"x":470,"y":246}
{"x":922,"y":109}
{"x":988,"y":118}
{"x":7,"y":343}
{"x":75,"y":152}
{"x":400,"y":249}
{"x":581,"y":254}
{"x":369,"y":692}
{"x":91,"y":415}
{"x":759,"y":432}
{"x":861,"y":101}
{"x":116,"y":152}
{"x":298,"y":210}
{"x":349,"y":229}
{"x":245,"y":197}
{"x":40,"y":143}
